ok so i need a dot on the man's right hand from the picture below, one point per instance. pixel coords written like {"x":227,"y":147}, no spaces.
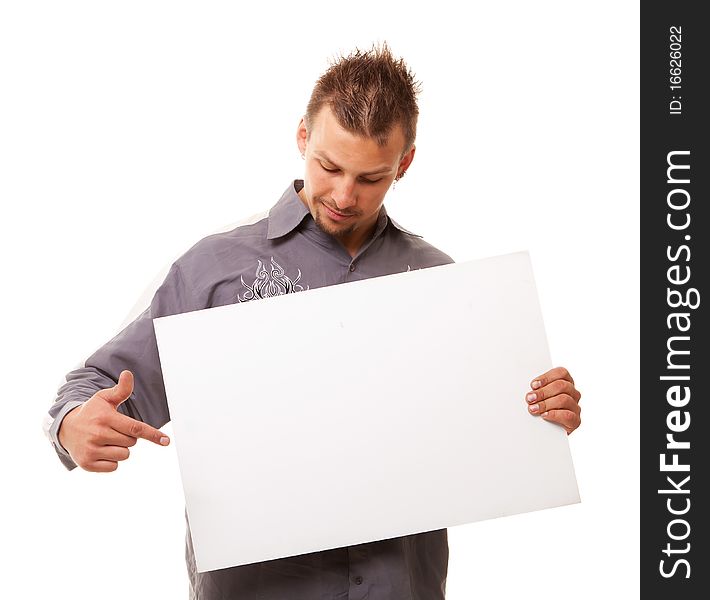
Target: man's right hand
{"x":97,"y":436}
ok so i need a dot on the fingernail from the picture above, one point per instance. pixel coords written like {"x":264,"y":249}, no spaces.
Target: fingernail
{"x":544,"y":414}
{"x":164,"y":441}
{"x":534,"y":408}
{"x":531,"y":397}
{"x":536,"y":384}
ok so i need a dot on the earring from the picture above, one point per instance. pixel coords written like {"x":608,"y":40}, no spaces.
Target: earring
{"x":397,"y":178}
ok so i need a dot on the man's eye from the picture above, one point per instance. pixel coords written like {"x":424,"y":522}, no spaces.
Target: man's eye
{"x":363,"y":179}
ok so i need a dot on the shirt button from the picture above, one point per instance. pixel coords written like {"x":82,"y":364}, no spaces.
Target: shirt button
{"x":352,"y":267}
{"x":357,"y":580}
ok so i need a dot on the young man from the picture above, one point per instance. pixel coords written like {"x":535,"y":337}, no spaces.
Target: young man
{"x":356,"y":138}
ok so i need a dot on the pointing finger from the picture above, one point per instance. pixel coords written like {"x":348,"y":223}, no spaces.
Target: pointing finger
{"x":114,"y":438}
{"x":138,"y":429}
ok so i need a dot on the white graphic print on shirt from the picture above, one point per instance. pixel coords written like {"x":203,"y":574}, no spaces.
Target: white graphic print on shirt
{"x":270,"y":284}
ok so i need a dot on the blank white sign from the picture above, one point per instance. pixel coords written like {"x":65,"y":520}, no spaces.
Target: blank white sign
{"x":362,"y":411}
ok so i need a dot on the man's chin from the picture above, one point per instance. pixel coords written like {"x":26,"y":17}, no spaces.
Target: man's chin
{"x":334,"y":229}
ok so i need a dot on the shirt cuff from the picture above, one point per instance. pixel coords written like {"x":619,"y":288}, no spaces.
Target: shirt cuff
{"x":53,"y":433}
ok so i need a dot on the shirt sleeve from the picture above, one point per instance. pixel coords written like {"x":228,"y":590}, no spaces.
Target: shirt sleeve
{"x":135,"y":349}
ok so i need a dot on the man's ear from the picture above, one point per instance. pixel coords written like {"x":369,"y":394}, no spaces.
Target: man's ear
{"x":406,"y":161}
{"x":302,"y":136}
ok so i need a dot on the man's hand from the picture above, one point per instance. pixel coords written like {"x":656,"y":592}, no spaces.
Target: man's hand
{"x":97,"y":436}
{"x":555,"y":399}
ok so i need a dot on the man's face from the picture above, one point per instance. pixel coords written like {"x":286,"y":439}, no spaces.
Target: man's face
{"x":347,"y":177}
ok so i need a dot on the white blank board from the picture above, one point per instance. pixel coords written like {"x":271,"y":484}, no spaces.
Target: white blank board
{"x":362,"y":411}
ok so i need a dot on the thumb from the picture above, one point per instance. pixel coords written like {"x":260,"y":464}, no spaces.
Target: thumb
{"x":120,"y":392}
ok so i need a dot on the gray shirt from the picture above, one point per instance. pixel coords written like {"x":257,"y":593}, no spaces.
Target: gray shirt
{"x":284,"y":252}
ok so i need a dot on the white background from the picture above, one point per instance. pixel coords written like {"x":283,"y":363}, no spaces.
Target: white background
{"x":130,"y":130}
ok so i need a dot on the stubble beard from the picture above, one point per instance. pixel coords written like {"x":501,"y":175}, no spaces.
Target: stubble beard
{"x":328,"y":226}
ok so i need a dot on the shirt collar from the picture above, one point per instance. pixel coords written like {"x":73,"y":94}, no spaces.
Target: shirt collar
{"x":290,"y":211}
{"x":287,"y":213}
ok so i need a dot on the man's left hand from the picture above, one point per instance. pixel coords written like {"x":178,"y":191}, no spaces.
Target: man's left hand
{"x":554,"y":398}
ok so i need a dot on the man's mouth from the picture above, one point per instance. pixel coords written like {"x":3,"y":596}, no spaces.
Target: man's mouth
{"x":335,"y":215}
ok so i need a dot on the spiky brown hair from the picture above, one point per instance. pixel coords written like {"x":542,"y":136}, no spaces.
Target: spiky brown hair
{"x":369,"y":93}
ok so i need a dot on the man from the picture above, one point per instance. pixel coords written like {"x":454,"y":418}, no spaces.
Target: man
{"x":357,"y":138}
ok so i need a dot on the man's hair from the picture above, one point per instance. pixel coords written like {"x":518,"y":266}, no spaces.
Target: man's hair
{"x":369,"y":93}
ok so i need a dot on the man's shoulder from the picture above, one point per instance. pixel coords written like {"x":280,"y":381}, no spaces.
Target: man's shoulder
{"x":251,"y":230}
{"x":417,"y":249}
{"x":220,"y":252}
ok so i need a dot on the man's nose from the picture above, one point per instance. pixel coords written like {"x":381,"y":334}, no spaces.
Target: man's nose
{"x":344,"y":194}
